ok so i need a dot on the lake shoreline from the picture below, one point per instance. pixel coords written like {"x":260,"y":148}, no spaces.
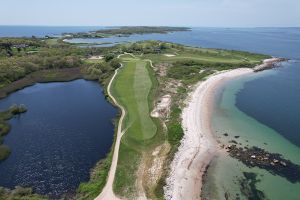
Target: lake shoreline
{"x":43,"y":76}
{"x":76,"y":74}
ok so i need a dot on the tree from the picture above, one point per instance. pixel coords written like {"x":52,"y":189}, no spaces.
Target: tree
{"x":109,"y":57}
{"x":115,"y":63}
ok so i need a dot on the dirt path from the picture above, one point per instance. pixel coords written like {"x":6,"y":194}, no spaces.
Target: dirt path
{"x":107,"y":192}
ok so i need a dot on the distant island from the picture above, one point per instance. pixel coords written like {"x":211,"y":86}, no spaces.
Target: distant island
{"x":125,"y":31}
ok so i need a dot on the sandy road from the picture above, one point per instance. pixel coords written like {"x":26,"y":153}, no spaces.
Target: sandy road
{"x":107,"y":192}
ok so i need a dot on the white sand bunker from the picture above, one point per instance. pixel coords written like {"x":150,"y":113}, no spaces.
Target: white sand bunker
{"x":163,"y":107}
{"x":169,"y":55}
{"x":96,"y":57}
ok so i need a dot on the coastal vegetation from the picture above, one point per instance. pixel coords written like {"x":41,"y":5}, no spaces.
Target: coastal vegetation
{"x":25,"y":61}
{"x":19,"y":193}
{"x":89,"y":190}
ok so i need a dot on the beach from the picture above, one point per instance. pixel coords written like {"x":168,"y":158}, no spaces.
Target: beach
{"x":198,"y":145}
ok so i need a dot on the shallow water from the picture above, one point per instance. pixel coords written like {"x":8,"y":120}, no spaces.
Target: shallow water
{"x":224,"y":173}
{"x":66,"y":130}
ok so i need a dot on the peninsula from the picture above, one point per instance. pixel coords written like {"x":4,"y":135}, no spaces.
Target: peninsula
{"x":163,"y":91}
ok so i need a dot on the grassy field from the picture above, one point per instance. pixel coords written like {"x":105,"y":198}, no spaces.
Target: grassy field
{"x":132,"y":88}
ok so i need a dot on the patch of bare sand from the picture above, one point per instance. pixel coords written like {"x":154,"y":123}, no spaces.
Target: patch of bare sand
{"x":169,"y":55}
{"x":162,"y":109}
{"x":96,"y":58}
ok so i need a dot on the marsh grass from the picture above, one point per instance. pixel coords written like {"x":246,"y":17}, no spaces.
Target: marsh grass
{"x":5,"y":126}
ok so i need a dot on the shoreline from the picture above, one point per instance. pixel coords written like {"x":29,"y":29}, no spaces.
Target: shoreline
{"x":269,"y":64}
{"x":198,"y":145}
{"x":42,"y":76}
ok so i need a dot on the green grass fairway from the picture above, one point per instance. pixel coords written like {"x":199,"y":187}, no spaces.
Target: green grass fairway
{"x":132,"y":87}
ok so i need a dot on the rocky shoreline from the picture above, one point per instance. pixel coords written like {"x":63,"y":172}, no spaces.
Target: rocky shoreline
{"x":272,"y":162}
{"x":269,"y":64}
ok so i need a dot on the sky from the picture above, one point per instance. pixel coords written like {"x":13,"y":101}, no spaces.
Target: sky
{"x":199,"y":13}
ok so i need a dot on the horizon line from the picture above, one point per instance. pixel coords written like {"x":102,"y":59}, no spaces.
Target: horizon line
{"x":28,"y":25}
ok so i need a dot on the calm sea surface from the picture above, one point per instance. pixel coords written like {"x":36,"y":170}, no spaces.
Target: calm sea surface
{"x":42,"y":31}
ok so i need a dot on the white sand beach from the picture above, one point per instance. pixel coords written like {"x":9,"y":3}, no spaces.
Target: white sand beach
{"x":198,"y":145}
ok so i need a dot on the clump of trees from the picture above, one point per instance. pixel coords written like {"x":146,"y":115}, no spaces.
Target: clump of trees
{"x":127,"y":30}
{"x":102,"y":70}
{"x":34,"y":55}
{"x":149,"y":47}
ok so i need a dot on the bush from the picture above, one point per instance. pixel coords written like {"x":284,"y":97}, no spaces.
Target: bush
{"x":109,"y":57}
{"x":115,"y":63}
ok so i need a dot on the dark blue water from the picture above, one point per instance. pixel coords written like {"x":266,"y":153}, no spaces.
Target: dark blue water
{"x":66,"y":130}
{"x":275,"y":101}
{"x":42,"y":31}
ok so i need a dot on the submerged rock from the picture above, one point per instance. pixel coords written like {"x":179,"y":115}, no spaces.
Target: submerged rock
{"x":272,"y":162}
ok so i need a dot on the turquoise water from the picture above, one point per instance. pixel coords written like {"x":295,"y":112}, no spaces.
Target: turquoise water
{"x":224,"y":173}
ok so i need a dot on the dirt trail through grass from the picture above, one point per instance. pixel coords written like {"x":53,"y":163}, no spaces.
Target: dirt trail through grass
{"x":129,"y":89}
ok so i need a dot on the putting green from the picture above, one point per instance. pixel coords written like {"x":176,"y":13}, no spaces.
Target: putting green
{"x":131,"y":88}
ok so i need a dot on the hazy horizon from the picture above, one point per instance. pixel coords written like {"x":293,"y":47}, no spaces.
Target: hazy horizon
{"x":232,"y":27}
{"x":188,"y":13}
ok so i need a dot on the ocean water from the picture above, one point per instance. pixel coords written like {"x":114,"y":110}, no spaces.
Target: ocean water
{"x":263,"y":109}
{"x":42,"y":31}
{"x":225,"y":172}
{"x":273,"y":41}
{"x":67,"y":129}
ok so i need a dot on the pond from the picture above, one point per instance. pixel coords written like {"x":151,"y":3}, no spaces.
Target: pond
{"x":66,"y":130}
